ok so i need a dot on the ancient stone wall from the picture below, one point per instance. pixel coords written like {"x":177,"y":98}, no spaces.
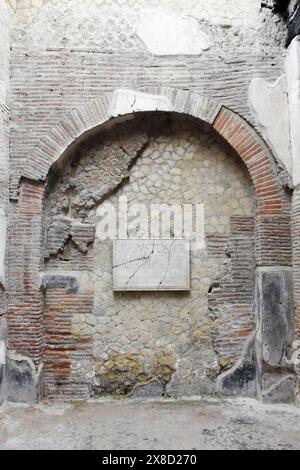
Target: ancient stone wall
{"x":123,"y":340}
{"x":65,"y":54}
{"x":6,"y":23}
{"x":76,"y":65}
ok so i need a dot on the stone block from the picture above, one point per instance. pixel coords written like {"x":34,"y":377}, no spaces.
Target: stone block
{"x":130,"y":101}
{"x":275,"y":317}
{"x":22,"y":380}
{"x":151,"y":265}
{"x":149,"y":390}
{"x":284,"y":391}
{"x":59,"y":281}
{"x":241,"y":379}
{"x":293,"y":79}
{"x":275,"y":314}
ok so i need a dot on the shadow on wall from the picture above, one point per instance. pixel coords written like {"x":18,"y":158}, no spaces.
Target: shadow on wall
{"x":289,"y":10}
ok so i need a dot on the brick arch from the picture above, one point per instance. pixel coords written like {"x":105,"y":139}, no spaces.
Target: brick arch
{"x":241,"y":136}
{"x":25,"y":314}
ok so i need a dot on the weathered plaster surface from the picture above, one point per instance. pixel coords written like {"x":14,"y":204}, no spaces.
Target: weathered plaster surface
{"x":270,"y":104}
{"x":2,"y":245}
{"x":171,"y":35}
{"x":65,"y":54}
{"x":112,"y":25}
{"x":240,"y":11}
{"x":6,"y":24}
{"x":293,"y":78}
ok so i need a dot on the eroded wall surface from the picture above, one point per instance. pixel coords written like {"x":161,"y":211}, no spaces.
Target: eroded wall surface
{"x":90,"y":340}
{"x":66,"y":53}
{"x":6,"y":22}
{"x":181,"y":341}
{"x":6,"y":19}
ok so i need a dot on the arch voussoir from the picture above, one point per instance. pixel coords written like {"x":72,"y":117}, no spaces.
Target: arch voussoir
{"x":251,"y":149}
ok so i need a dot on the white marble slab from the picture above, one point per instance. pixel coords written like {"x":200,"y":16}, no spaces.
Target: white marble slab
{"x":151,"y":265}
{"x":130,"y":101}
{"x":2,"y":353}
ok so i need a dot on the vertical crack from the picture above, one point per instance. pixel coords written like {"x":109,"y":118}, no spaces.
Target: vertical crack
{"x":142,"y":265}
{"x":168,"y":265}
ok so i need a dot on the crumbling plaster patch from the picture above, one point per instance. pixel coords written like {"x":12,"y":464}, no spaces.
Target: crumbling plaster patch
{"x":112,"y":25}
{"x":63,"y":229}
{"x":171,"y":35}
{"x":240,"y":11}
{"x":269,"y":104}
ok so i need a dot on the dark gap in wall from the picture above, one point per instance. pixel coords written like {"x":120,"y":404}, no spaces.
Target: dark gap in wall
{"x":289,"y":10}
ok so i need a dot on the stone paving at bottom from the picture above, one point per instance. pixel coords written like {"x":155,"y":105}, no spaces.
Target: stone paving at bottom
{"x":239,"y":424}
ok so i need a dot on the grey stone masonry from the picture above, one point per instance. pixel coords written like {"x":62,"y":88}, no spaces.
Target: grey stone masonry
{"x":275,"y":333}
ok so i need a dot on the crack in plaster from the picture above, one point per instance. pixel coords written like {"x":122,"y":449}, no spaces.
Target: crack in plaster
{"x":144,"y":264}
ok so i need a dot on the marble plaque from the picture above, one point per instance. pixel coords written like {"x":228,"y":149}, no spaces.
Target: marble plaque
{"x":151,"y":265}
